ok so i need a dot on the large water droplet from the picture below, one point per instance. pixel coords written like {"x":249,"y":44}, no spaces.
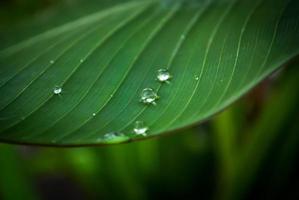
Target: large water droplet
{"x":57,"y":90}
{"x":114,"y":137}
{"x":148,"y":96}
{"x":140,"y":128}
{"x":163,"y":75}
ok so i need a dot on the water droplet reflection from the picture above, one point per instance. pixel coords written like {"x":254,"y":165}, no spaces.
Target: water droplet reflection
{"x":148,"y":96}
{"x":57,"y":90}
{"x":163,"y":75}
{"x":140,"y":128}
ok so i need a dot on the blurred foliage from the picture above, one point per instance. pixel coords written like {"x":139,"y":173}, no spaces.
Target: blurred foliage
{"x":250,"y":151}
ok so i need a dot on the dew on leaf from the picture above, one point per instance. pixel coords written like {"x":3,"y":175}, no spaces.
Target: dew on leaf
{"x":57,"y":90}
{"x":140,"y":128}
{"x":163,"y":75}
{"x":148,"y":96}
{"x":114,"y":137}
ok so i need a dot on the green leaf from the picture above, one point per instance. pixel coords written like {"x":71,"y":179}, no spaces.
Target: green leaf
{"x":216,"y":50}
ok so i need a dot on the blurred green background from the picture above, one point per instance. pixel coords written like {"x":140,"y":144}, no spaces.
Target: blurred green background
{"x":249,"y":151}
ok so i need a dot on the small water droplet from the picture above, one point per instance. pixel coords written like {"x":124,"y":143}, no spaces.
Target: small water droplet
{"x":94,"y":114}
{"x":196,"y":78}
{"x":163,"y":75}
{"x":183,"y":37}
{"x":81,"y":60}
{"x":140,"y":128}
{"x":52,"y":61}
{"x":148,"y":96}
{"x":57,"y":90}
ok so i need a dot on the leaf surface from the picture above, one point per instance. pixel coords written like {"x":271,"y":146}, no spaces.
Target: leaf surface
{"x":215,"y":50}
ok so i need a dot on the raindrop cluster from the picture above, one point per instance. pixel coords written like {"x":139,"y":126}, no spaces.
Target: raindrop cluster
{"x":149,"y":97}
